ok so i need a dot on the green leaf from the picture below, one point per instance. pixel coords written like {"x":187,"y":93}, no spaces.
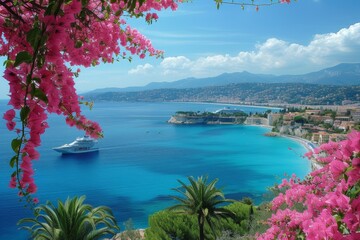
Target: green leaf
{"x":24,"y":113}
{"x":84,"y":2}
{"x":8,"y":23}
{"x":33,"y":36}
{"x":15,"y":144}
{"x":8,"y":63}
{"x":118,"y":13}
{"x":22,"y":57}
{"x":12,"y":161}
{"x":28,"y":79}
{"x":40,"y":95}
{"x":78,"y":44}
{"x":132,"y":5}
{"x":40,"y":61}
{"x":218,"y":3}
{"x":49,"y":9}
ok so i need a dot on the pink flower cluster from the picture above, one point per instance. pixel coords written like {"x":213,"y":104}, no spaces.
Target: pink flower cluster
{"x":41,"y":39}
{"x":326,"y":205}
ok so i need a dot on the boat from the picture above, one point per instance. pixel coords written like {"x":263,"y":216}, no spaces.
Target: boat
{"x":80,"y":145}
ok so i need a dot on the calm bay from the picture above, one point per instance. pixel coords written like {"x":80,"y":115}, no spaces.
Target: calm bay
{"x":142,"y":156}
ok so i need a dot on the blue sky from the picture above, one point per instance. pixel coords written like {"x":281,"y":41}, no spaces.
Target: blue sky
{"x":201,"y":41}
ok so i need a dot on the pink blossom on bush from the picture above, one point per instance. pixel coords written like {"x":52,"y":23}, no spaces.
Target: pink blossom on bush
{"x":338,"y":167}
{"x":330,"y":197}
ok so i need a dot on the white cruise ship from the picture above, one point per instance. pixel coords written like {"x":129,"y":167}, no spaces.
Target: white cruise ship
{"x":80,"y":145}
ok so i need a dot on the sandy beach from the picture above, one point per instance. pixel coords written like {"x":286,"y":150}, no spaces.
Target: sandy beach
{"x":308,"y":145}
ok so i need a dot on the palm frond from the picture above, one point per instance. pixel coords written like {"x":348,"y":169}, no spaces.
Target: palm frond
{"x":201,"y":199}
{"x":71,"y":219}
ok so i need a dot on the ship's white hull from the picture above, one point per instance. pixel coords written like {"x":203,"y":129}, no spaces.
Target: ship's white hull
{"x":72,"y":151}
{"x":80,"y":145}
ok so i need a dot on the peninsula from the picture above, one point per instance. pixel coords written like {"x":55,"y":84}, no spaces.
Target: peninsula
{"x":222,"y":116}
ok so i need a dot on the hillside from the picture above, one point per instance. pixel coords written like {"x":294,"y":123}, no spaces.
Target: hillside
{"x":342,"y":74}
{"x":293,"y":93}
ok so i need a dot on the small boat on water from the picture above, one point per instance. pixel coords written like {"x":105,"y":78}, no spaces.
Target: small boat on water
{"x":80,"y":145}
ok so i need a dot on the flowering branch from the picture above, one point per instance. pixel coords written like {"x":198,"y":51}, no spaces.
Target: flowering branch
{"x":40,"y":40}
{"x":252,"y":3}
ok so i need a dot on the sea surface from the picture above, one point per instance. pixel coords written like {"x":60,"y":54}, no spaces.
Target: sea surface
{"x":142,"y":157}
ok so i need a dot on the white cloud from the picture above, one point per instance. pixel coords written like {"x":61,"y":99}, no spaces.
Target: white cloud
{"x":141,"y":69}
{"x":174,"y":65}
{"x":275,"y":56}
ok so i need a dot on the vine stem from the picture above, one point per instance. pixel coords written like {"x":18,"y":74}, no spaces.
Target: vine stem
{"x":25,"y":100}
{"x":250,"y":4}
{"x":24,"y":121}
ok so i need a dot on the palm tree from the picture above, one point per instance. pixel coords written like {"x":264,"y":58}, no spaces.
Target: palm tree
{"x":202,"y":199}
{"x":71,"y":220}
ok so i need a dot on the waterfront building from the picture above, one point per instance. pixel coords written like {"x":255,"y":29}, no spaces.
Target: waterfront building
{"x":343,"y":118}
{"x":315,"y":137}
{"x":324,"y":137}
{"x":355,"y":114}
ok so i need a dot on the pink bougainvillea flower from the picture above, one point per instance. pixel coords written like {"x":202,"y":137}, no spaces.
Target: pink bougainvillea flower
{"x":35,"y":200}
{"x":356,"y":162}
{"x":32,"y":188}
{"x":12,"y":183}
{"x":10,"y":125}
{"x":9,"y":115}
{"x":337,"y":167}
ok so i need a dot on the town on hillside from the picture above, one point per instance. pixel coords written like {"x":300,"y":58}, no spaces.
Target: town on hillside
{"x":319,"y":124}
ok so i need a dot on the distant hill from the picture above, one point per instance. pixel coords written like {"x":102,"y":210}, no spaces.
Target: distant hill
{"x":343,"y":74}
{"x":244,"y":93}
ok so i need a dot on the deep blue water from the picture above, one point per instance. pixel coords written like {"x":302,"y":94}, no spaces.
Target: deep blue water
{"x":142,"y":157}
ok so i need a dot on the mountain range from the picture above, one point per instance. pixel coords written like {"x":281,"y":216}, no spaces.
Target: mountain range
{"x":344,"y":74}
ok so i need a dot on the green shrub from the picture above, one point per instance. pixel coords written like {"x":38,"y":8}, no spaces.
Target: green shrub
{"x":168,"y":225}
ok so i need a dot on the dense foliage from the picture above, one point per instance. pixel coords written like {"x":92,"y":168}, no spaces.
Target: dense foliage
{"x":203,"y":200}
{"x":70,"y":220}
{"x":169,"y":224}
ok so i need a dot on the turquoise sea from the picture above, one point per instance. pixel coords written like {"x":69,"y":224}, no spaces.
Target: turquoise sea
{"x":141,"y":158}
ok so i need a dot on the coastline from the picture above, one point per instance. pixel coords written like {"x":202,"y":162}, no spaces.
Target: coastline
{"x":234,"y":105}
{"x":308,"y":145}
